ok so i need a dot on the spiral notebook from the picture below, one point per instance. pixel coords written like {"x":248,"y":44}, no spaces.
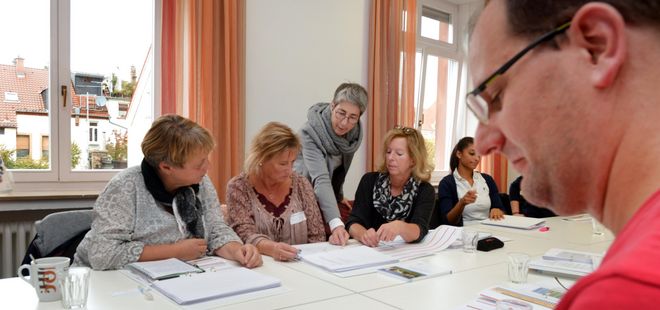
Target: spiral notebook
{"x":194,"y":288}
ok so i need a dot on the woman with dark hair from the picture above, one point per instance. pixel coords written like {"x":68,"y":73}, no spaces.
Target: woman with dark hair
{"x":479,"y":196}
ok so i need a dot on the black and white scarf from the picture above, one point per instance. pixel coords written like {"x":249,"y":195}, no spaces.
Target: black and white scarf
{"x":319,"y":117}
{"x":186,"y":207}
{"x":394,"y":208}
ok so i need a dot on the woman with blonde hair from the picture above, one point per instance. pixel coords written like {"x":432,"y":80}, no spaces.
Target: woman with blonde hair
{"x":166,"y":207}
{"x":397,"y":199}
{"x":269,"y":205}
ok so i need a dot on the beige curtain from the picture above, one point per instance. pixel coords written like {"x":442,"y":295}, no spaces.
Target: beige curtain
{"x":203,"y":75}
{"x":391,"y":72}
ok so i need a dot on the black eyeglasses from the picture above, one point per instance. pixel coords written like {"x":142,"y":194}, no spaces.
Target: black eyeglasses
{"x":475,"y":100}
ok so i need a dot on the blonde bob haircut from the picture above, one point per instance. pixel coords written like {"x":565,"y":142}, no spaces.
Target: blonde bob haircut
{"x":173,"y":139}
{"x":271,"y":140}
{"x":422,"y":169}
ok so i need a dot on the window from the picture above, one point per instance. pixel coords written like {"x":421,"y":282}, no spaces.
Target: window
{"x":22,"y":146}
{"x":93,"y":133}
{"x":77,"y":78}
{"x":439,"y":66}
{"x":44,"y":147}
{"x":11,"y":96}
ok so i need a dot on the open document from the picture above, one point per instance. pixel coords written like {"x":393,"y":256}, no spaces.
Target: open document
{"x":349,"y":258}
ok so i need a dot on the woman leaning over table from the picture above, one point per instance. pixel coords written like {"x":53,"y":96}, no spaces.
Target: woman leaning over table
{"x":397,"y":199}
{"x":166,"y":207}
{"x":479,"y":194}
{"x":269,"y":205}
{"x":330,"y":138}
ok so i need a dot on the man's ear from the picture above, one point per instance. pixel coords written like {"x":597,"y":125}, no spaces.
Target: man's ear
{"x":599,"y":29}
{"x":165,"y":168}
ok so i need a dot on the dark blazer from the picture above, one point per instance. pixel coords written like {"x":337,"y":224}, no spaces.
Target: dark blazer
{"x":365,"y":214}
{"x":448,"y":198}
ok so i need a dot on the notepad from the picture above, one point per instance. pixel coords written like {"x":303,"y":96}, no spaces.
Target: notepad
{"x":206,"y":286}
{"x":515,"y":222}
{"x":349,"y":258}
{"x":164,"y":269}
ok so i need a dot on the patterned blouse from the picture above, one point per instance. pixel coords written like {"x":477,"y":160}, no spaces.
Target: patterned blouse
{"x":127,"y":217}
{"x":254,"y":218}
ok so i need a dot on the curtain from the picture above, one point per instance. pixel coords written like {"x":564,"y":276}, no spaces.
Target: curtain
{"x":203,"y":75}
{"x":391,"y":72}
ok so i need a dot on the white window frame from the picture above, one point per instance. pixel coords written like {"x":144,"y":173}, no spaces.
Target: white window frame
{"x":60,"y":176}
{"x":442,"y":49}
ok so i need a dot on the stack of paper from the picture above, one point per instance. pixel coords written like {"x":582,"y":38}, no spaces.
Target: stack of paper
{"x":435,"y":241}
{"x":567,"y":263}
{"x":349,"y":258}
{"x":519,"y":222}
{"x":536,"y":296}
{"x":195,"y":288}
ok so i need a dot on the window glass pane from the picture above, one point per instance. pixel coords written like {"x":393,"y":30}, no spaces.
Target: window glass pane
{"x":44,"y":147}
{"x":437,"y":25}
{"x":439,"y":97}
{"x":111,"y":74}
{"x":24,"y":78}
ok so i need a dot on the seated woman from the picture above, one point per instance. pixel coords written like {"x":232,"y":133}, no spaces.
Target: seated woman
{"x":520,"y":206}
{"x":269,"y":205}
{"x":166,"y":207}
{"x":397,"y":200}
{"x":479,"y":194}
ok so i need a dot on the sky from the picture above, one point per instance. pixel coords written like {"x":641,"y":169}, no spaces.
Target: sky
{"x":107,"y":36}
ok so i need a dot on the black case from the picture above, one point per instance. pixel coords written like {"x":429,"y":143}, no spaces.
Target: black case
{"x":488,"y":244}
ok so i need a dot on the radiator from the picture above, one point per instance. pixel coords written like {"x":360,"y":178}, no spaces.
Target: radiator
{"x":14,"y":240}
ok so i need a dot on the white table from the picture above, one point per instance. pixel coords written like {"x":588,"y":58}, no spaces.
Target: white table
{"x":309,"y":287}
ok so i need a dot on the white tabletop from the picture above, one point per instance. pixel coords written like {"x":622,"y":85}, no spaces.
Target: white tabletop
{"x":308,"y":287}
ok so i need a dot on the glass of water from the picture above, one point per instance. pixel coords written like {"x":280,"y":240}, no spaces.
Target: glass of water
{"x":75,"y":286}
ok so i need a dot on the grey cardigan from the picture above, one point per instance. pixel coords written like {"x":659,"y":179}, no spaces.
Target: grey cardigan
{"x":316,"y":164}
{"x":127,"y":217}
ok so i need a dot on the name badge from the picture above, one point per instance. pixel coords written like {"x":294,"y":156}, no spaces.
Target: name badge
{"x":297,"y":217}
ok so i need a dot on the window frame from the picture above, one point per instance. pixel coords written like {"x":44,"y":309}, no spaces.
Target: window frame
{"x":61,"y":176}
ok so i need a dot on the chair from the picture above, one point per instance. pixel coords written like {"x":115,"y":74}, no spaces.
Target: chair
{"x":506,"y":203}
{"x":58,"y":234}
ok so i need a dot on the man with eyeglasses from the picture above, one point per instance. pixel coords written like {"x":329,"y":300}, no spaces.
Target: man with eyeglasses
{"x":575,"y":110}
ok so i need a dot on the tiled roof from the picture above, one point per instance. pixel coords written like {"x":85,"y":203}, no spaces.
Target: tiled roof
{"x":28,"y":89}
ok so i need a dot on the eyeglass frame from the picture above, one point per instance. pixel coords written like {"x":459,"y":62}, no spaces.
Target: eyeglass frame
{"x":476,"y":102}
{"x":345,"y":116}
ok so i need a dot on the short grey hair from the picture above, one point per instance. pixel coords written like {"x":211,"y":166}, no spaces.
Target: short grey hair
{"x":353,"y":93}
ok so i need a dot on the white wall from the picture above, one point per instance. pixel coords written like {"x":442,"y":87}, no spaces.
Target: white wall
{"x":297,"y":53}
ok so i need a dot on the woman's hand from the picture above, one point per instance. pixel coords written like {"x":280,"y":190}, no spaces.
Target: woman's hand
{"x":496,"y":214}
{"x":339,"y":236}
{"x":369,"y":238}
{"x":470,"y":197}
{"x":245,"y":254}
{"x":283,"y":252}
{"x":389,"y":231}
{"x":188,"y":249}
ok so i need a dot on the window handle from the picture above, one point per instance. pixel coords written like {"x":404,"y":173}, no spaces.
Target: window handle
{"x":64,"y":90}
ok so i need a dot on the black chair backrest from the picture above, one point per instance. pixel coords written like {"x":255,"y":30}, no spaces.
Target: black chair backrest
{"x":506,"y":202}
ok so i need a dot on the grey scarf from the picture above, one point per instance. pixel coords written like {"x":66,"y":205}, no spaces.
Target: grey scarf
{"x":320,"y":129}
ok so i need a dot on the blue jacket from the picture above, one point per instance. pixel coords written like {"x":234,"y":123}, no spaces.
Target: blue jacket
{"x":448,"y":198}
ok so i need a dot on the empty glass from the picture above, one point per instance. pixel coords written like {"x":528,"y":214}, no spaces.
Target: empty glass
{"x":596,"y":227}
{"x":75,"y":286}
{"x":470,"y":239}
{"x":518,"y":267}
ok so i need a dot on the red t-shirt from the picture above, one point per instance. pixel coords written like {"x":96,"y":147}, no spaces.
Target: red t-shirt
{"x":629,"y":275}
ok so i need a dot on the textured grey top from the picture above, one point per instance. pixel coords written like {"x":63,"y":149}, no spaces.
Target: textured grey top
{"x":128,"y":218}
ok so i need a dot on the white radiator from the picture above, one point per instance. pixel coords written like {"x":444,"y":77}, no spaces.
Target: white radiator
{"x":14,"y":240}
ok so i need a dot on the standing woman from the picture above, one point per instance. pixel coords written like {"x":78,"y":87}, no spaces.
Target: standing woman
{"x":166,"y":207}
{"x":330,"y":138}
{"x":397,"y":200}
{"x":269,"y":205}
{"x":479,"y":194}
